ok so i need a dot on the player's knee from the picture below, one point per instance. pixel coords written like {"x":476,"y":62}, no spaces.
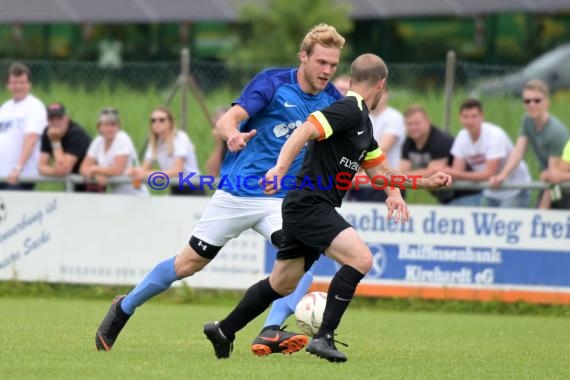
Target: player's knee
{"x":362,"y":263}
{"x":285,"y":285}
{"x":188,"y":263}
{"x":285,"y":288}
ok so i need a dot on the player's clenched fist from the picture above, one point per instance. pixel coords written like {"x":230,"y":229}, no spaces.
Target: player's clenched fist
{"x":437,"y":180}
{"x":270,"y":183}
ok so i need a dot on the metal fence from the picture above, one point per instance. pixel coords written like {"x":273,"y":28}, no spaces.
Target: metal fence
{"x":212,"y":75}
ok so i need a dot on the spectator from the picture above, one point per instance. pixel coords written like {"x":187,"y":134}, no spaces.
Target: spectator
{"x":171,"y":149}
{"x":112,"y":153}
{"x":342,"y":83}
{"x":390,"y":133}
{"x":427,"y":150}
{"x":63,"y":146}
{"x":545,"y":133}
{"x":560,"y":174}
{"x":22,"y":121}
{"x":389,"y":130}
{"x":217,"y":156}
{"x":485,"y":148}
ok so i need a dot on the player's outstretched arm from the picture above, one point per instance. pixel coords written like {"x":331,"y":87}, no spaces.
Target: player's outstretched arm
{"x":306,"y":132}
{"x":398,"y":179}
{"x":228,"y":128}
{"x":435,"y":181}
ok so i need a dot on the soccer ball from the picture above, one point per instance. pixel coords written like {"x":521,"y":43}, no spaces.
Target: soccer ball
{"x":309,"y":312}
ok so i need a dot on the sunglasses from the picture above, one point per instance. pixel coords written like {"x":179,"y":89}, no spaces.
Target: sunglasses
{"x":158,"y":119}
{"x":533,"y":100}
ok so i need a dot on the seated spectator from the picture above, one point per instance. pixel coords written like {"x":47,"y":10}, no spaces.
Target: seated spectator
{"x":342,"y":83}
{"x":112,"y":153}
{"x":560,"y":173}
{"x":171,"y":149}
{"x":63,"y":146}
{"x":486,"y":148}
{"x":390,"y":132}
{"x":427,"y":150}
{"x":545,"y":133}
{"x":22,"y":121}
{"x":218,"y":154}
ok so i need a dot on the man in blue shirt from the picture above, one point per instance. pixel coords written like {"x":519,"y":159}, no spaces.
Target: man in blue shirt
{"x":270,"y":108}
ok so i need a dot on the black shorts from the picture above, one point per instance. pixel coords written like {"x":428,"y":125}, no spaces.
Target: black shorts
{"x":309,"y":230}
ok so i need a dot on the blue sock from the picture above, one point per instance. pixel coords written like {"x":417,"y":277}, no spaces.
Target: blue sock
{"x":157,"y":281}
{"x":284,"y":307}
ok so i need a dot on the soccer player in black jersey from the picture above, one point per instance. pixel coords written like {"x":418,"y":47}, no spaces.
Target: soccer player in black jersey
{"x":340,"y":141}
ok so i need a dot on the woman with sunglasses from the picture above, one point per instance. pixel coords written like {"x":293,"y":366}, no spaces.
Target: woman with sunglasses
{"x":171,"y":149}
{"x":110,"y":154}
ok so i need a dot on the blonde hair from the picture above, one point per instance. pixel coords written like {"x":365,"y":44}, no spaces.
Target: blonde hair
{"x":322,"y":34}
{"x":537,"y":85}
{"x":169,"y":141}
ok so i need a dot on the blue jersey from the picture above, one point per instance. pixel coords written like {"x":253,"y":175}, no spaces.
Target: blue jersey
{"x":276,"y":105}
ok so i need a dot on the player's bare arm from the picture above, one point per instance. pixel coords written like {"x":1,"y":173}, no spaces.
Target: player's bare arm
{"x":228,"y":128}
{"x":306,"y":132}
{"x":435,"y":181}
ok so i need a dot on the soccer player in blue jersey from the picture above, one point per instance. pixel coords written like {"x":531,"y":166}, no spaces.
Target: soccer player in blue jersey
{"x":269,"y":109}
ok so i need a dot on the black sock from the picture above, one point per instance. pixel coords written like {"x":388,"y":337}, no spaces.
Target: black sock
{"x":254,"y":302}
{"x":340,"y":293}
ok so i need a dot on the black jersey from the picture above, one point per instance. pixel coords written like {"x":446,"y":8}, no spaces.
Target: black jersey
{"x":332,"y":161}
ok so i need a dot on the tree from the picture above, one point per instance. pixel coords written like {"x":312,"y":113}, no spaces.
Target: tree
{"x":271,"y":30}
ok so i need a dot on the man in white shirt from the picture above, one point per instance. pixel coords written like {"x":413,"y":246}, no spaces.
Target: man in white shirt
{"x":485,"y":148}
{"x":389,"y":130}
{"x":22,"y":121}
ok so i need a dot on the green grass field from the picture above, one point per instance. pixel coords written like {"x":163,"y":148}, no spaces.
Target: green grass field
{"x":53,"y":338}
